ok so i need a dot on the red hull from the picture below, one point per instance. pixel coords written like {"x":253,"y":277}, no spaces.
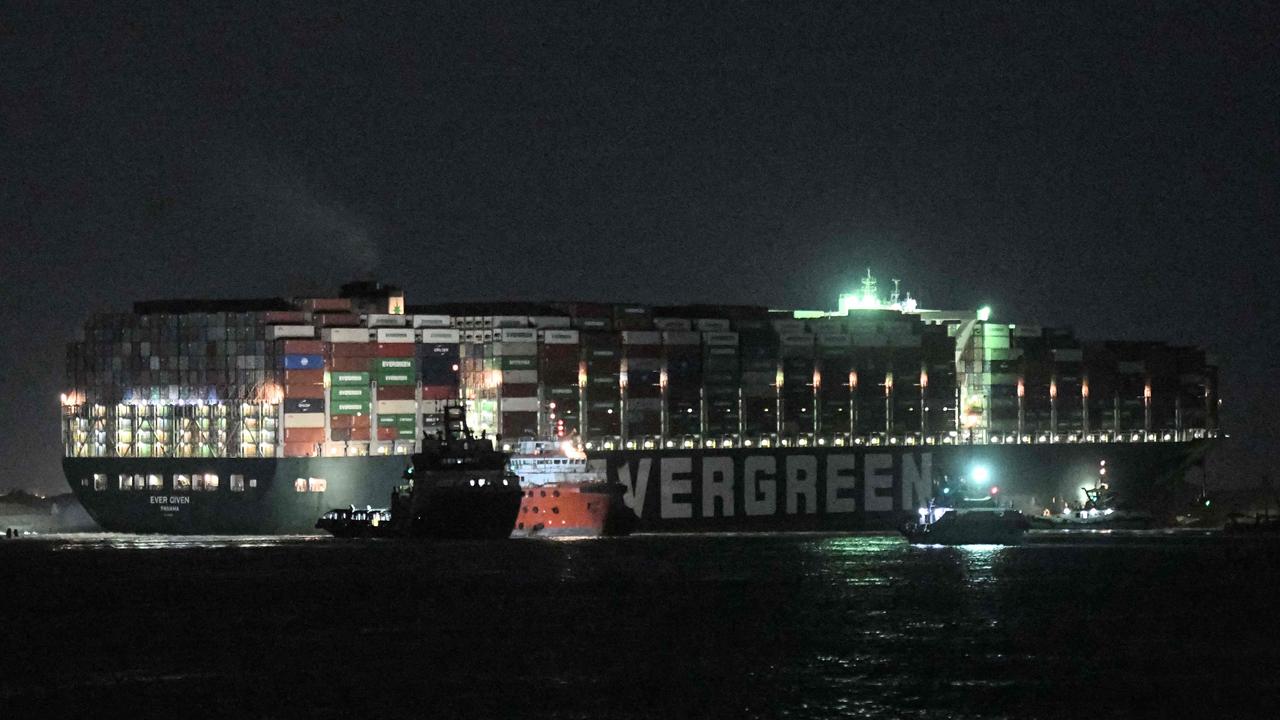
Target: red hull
{"x":573,"y":510}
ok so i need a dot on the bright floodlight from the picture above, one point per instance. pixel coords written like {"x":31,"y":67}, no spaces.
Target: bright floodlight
{"x":984,"y":313}
{"x":981,"y":474}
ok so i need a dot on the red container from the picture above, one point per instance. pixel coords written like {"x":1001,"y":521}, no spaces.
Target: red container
{"x":395,"y":392}
{"x":300,"y":435}
{"x":349,"y":364}
{"x":340,"y":434}
{"x":519,"y":424}
{"x":303,"y":377}
{"x":283,"y":317}
{"x":360,"y":433}
{"x":439,"y":392}
{"x":386,"y":433}
{"x":341,"y":422}
{"x":395,"y":350}
{"x":310,"y":392}
{"x":304,"y":347}
{"x":300,"y":449}
{"x":353,"y":350}
{"x":329,"y":304}
{"x":338,"y":319}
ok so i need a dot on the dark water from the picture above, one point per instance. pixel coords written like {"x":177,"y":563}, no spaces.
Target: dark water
{"x":642,"y":627}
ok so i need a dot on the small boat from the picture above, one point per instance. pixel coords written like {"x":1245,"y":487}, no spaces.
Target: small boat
{"x":1102,"y":510}
{"x":970,"y":523}
{"x":457,"y":487}
{"x":567,"y":495}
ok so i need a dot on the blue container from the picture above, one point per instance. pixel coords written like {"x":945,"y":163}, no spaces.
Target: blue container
{"x":303,"y":362}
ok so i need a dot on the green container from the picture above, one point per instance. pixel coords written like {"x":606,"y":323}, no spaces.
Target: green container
{"x":352,"y":393}
{"x":408,"y":433}
{"x":387,"y":420}
{"x":397,"y":364}
{"x":348,"y":378}
{"x":348,"y":407}
{"x":519,"y":363}
{"x":559,"y":392}
{"x":396,"y":377}
{"x":406,"y":421}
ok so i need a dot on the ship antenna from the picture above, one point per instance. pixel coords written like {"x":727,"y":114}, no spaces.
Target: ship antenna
{"x":894,"y":300}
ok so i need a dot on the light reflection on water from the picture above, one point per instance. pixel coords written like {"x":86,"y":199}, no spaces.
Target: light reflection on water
{"x":126,"y":541}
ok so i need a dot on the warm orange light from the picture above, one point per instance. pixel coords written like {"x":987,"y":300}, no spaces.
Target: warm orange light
{"x":1053,"y":389}
{"x":924,"y":379}
{"x":1084,"y":389}
{"x":853,"y":379}
{"x":1022,"y":389}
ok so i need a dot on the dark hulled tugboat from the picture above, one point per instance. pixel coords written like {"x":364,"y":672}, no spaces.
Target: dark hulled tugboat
{"x":457,"y":487}
{"x":979,"y":521}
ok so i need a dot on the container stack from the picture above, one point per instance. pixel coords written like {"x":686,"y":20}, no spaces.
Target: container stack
{"x":515,"y":360}
{"x":439,"y":369}
{"x":559,"y":358}
{"x":835,"y":369}
{"x":760,"y":370}
{"x":721,"y":377}
{"x":796,"y":350}
{"x":302,"y":362}
{"x":601,"y":383}
{"x":682,"y":355}
{"x":350,"y":406}
{"x":395,"y":374}
{"x":642,"y":367}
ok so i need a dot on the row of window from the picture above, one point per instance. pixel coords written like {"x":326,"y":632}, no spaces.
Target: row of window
{"x":310,"y":485}
{"x":181,"y":482}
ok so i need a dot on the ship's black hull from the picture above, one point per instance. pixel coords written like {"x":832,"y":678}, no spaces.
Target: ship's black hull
{"x":709,"y":490}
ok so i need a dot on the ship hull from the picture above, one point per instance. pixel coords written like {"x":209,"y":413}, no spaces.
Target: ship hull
{"x":706,"y":490}
{"x":574,"y":510}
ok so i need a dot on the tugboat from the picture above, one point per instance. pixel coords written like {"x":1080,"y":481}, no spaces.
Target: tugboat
{"x":457,"y":487}
{"x":970,"y":522}
{"x":567,"y":495}
{"x":1102,"y":510}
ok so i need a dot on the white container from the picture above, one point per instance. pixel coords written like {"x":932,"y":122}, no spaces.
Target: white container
{"x":641,"y":337}
{"x":279,"y":332}
{"x":396,"y":335}
{"x":436,"y":337}
{"x":345,"y":335}
{"x":869,"y":340}
{"x":796,"y":339}
{"x":834,"y":341}
{"x":681,"y":337}
{"x":550,"y":321}
{"x":1027,"y":331}
{"x":911,"y":341}
{"x":788,"y":326}
{"x":303,"y":420}
{"x":720,"y":339}
{"x":397,"y":407}
{"x":559,"y":337}
{"x":432,"y":407}
{"x":518,"y":404}
{"x":508,"y":321}
{"x":711,"y":325}
{"x":643,"y":364}
{"x":520,"y":377}
{"x":673,"y":324}
{"x":515,"y":335}
{"x":377,"y":321}
{"x":514,"y":349}
{"x":432,"y":321}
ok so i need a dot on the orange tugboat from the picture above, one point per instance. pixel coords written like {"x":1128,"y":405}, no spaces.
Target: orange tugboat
{"x":566,"y":495}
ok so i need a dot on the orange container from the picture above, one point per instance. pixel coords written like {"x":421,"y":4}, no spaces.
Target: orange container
{"x":299,"y":449}
{"x":353,"y":350}
{"x":349,"y":364}
{"x":386,"y":434}
{"x":360,"y":433}
{"x":304,"y":377}
{"x":395,"y":350}
{"x":303,"y":435}
{"x":439,"y":392}
{"x":311,"y":391}
{"x":395,"y":392}
{"x":303,"y":347}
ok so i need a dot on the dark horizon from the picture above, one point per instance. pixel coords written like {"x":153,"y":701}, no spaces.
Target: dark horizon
{"x":1113,"y":170}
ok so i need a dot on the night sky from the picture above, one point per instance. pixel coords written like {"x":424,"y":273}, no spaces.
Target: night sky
{"x":1112,"y":169}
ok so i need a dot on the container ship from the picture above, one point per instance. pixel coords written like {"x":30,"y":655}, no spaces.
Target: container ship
{"x":257,"y":416}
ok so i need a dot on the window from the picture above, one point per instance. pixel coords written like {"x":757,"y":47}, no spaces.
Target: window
{"x":139,"y":482}
{"x":126,"y":482}
{"x":237,"y":483}
{"x":211,"y":482}
{"x":300,"y":485}
{"x":84,"y":482}
{"x":197,"y":482}
{"x":253,"y":482}
{"x":155,"y":482}
{"x":181,"y":482}
{"x":317,"y":484}
{"x":99,"y":481}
